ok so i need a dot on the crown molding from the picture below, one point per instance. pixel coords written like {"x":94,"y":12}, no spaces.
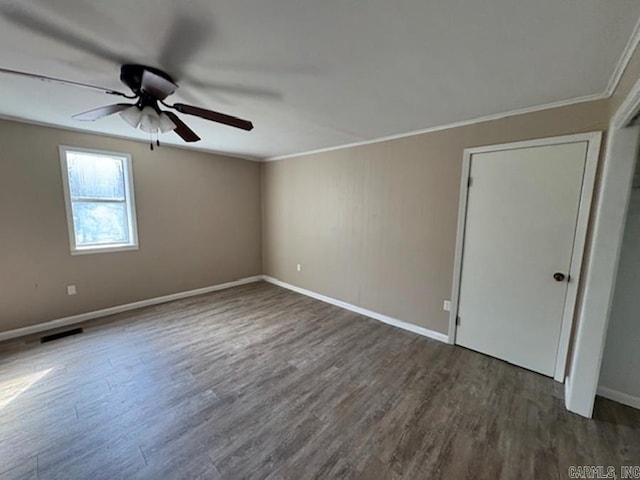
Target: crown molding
{"x":612,"y":84}
{"x":38,"y":123}
{"x":464,"y":123}
{"x":623,"y":61}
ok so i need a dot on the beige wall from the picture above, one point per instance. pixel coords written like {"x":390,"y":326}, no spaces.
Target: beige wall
{"x":198,"y":222}
{"x":375,"y":225}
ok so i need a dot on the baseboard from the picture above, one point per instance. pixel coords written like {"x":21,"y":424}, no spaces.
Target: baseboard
{"x":83,"y":317}
{"x":619,"y":397}
{"x":425,"y":332}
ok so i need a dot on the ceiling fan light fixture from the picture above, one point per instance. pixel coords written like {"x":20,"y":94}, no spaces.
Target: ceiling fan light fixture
{"x":152,"y":122}
{"x":149,"y":120}
{"x":132,"y":116}
{"x":166,"y":124}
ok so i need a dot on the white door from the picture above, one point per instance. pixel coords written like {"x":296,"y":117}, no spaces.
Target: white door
{"x":521,"y":219}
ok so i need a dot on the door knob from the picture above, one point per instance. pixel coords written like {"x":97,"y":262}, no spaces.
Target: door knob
{"x":559,"y":277}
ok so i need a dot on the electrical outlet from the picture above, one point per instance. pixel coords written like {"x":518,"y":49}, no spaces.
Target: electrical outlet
{"x":299,"y":267}
{"x":447,"y":305}
{"x":71,"y":290}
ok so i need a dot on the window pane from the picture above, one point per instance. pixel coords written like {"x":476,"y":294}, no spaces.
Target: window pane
{"x":100,"y":223}
{"x":95,"y":176}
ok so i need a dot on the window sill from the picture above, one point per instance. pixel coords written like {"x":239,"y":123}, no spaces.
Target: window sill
{"x":103,"y":249}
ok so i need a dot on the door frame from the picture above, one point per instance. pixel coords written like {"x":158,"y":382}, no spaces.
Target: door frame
{"x":593,"y":140}
{"x":608,"y":229}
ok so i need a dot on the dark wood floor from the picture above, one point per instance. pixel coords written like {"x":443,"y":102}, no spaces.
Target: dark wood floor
{"x":260,"y":382}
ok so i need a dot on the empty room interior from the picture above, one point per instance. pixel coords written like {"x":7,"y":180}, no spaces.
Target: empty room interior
{"x":295,"y":240}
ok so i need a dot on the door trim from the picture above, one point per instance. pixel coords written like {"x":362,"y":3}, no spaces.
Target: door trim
{"x":611,"y":204}
{"x":593,"y":140}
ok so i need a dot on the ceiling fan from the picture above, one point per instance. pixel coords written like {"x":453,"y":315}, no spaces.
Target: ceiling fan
{"x":150,"y":87}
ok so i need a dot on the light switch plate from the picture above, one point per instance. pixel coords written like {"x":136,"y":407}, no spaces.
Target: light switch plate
{"x":447,"y":305}
{"x":71,"y":290}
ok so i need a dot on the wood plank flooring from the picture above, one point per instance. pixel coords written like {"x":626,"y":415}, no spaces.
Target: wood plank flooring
{"x":259,"y":382}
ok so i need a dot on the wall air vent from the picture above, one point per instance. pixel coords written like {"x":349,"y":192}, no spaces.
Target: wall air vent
{"x":58,"y":335}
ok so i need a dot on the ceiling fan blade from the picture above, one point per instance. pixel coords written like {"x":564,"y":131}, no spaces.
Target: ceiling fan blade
{"x":101,"y":112}
{"x":186,"y":36}
{"x":36,"y":23}
{"x":214,"y":116}
{"x":182,"y":129}
{"x":157,"y":86}
{"x":64,"y":82}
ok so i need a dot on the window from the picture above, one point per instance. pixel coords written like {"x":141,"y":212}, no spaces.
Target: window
{"x":98,"y":190}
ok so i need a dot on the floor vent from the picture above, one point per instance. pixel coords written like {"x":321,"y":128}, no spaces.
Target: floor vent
{"x":56,"y":336}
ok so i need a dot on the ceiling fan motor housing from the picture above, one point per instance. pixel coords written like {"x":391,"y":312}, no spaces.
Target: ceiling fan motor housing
{"x":132,"y":76}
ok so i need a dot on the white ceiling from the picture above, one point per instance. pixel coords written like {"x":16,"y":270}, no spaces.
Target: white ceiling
{"x":321,"y":73}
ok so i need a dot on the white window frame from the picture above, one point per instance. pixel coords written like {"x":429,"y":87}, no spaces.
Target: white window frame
{"x":129,"y":201}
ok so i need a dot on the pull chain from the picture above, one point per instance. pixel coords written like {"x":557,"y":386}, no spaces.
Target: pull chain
{"x":151,"y":142}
